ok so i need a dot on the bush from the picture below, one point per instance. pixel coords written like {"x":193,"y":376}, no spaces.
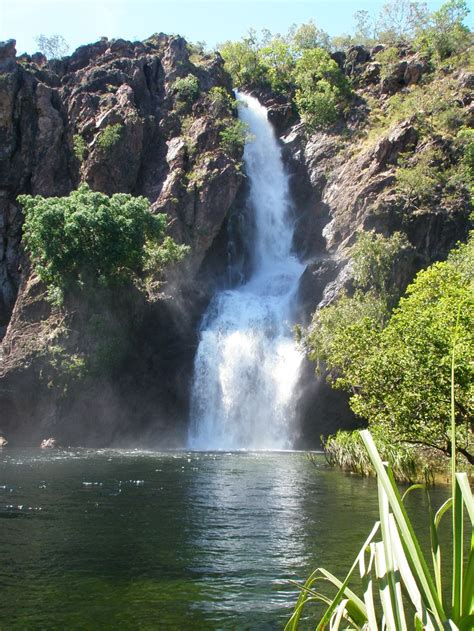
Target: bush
{"x":417,"y":183}
{"x":234,"y":136}
{"x":79,"y":146}
{"x":388,"y":60}
{"x":398,"y":370}
{"x":243,"y":63}
{"x":110,"y":136}
{"x":220,"y":102}
{"x":187,"y":88}
{"x":446,"y":34}
{"x":89,"y":238}
{"x":321,"y":88}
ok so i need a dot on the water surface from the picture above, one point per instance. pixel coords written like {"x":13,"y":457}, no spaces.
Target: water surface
{"x":142,"y":540}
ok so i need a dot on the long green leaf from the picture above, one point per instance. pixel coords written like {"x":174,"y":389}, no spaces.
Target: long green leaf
{"x":367,"y":585}
{"x":458,"y":553}
{"x":395,"y":615}
{"x":327,"y":615}
{"x":409,"y":539}
{"x":465,"y":489}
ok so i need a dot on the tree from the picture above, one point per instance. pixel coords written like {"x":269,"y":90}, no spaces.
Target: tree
{"x":399,"y":20}
{"x":307,"y":36}
{"x":445,"y":32}
{"x":365,"y":28}
{"x":321,"y":87}
{"x":398,"y":369}
{"x":242,"y":61}
{"x":278,"y":62}
{"x":89,"y":238}
{"x":53,"y":47}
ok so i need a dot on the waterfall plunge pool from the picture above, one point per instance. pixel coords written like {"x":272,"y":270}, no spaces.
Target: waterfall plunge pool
{"x":114,"y":539}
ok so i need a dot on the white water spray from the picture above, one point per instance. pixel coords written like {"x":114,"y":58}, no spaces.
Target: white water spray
{"x":247,"y":366}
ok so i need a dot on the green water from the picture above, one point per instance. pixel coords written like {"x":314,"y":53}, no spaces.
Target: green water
{"x":142,"y":540}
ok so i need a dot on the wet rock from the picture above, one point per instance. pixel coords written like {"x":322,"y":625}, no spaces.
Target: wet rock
{"x":48,"y":443}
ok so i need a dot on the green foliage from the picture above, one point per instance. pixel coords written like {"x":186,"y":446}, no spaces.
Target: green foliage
{"x":445,"y":33}
{"x":234,"y":136}
{"x":80,"y":147}
{"x":220,"y":102}
{"x":242,"y":61}
{"x":341,"y":335}
{"x":187,"y":88}
{"x":110,"y":136}
{"x":278,"y":63}
{"x":399,"y":591}
{"x":374,"y":259}
{"x":89,"y":238}
{"x":399,"y":372}
{"x":53,"y":47}
{"x":346,"y":450}
{"x":321,"y":88}
{"x":399,"y":21}
{"x":388,"y":59}
{"x":307,"y":36}
{"x":418,"y":182}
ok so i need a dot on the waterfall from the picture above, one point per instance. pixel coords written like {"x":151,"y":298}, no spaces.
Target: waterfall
{"x":247,"y":365}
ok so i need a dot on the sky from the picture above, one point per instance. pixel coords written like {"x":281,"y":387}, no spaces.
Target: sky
{"x":212,"y":21}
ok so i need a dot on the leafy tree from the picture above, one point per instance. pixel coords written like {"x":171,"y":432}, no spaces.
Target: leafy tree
{"x":445,"y":33}
{"x":79,"y":146}
{"x":220,"y":102}
{"x":242,"y":61}
{"x":187,"y":88}
{"x":399,"y":20}
{"x":278,"y":61}
{"x":399,"y":371}
{"x":110,"y":136}
{"x":53,"y":47}
{"x":374,"y":259}
{"x":234,"y":136}
{"x":365,"y":28}
{"x":89,"y":238}
{"x":321,"y":87}
{"x":307,"y":36}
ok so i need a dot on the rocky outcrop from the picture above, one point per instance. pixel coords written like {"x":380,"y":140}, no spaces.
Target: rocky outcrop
{"x":108,"y":115}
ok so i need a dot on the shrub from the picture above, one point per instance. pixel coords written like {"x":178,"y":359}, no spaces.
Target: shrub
{"x":220,"y":102}
{"x":417,"y":183}
{"x":89,"y":238}
{"x":388,"y":60}
{"x":110,"y":136}
{"x":187,"y":88}
{"x":398,"y":369}
{"x":445,"y":33}
{"x":79,"y":146}
{"x":243,"y":63}
{"x":321,"y":88}
{"x":234,"y":136}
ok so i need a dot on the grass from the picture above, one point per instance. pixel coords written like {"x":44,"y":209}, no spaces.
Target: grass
{"x":399,"y":590}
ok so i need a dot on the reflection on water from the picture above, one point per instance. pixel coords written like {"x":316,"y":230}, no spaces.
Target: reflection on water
{"x":140,"y":540}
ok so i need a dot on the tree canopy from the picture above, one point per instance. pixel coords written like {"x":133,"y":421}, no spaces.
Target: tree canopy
{"x":88,"y":237}
{"x":397,"y":367}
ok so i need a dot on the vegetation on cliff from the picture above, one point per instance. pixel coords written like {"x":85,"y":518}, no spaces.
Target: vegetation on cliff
{"x":396,"y":364}
{"x":304,"y":67}
{"x":89,"y":239}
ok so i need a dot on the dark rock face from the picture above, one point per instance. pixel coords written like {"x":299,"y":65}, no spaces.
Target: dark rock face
{"x":54,"y":117}
{"x":341,"y":185}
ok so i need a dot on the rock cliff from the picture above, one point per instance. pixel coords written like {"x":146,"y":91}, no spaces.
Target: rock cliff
{"x":111,"y":115}
{"x":115,"y":114}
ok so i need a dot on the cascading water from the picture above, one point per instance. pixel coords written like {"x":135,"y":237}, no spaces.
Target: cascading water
{"x":247,"y":366}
